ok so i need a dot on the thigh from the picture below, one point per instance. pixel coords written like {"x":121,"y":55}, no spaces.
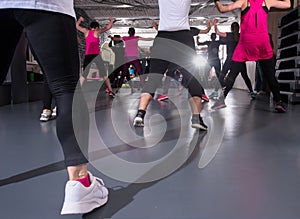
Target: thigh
{"x":55,"y":49}
{"x":157,"y":69}
{"x":11,"y":31}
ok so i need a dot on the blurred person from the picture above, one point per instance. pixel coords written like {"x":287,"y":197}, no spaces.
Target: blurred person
{"x":57,"y":53}
{"x":254,"y":43}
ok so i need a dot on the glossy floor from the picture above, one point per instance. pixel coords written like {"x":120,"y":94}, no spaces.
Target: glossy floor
{"x":246,"y":166}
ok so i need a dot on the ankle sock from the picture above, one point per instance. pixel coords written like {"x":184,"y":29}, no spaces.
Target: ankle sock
{"x":85,"y":181}
{"x":141,"y":113}
{"x":195,"y":117}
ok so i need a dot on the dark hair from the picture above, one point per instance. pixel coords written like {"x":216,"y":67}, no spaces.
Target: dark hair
{"x":94,"y":24}
{"x":131,"y":31}
{"x":213,"y":35}
{"x":235,"y":28}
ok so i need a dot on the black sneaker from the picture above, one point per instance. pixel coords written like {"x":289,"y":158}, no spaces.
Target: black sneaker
{"x":197,"y":123}
{"x":139,"y":118}
{"x":280,"y":108}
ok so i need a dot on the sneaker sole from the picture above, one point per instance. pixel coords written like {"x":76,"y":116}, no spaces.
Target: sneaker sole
{"x":219,"y":107}
{"x":162,"y":99}
{"x":83,"y":207}
{"x":198,"y":126}
{"x":280,"y":109}
{"x":44,"y":120}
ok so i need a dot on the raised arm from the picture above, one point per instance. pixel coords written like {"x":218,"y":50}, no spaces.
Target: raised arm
{"x":107,"y":27}
{"x":81,"y":29}
{"x":155,"y":25}
{"x":217,"y":31}
{"x":281,"y":4}
{"x":241,"y":4}
{"x":209,"y":25}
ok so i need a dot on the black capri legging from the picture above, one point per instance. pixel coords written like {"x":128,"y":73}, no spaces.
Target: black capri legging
{"x":172,"y":50}
{"x":97,"y":59}
{"x":236,"y":68}
{"x":57,"y":53}
{"x":268,"y":67}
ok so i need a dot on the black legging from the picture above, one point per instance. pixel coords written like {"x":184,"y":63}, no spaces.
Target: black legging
{"x":236,"y":68}
{"x":87,"y":62}
{"x":47,"y":95}
{"x":268,"y":69}
{"x":226,"y":67}
{"x":57,"y":53}
{"x":172,"y":50}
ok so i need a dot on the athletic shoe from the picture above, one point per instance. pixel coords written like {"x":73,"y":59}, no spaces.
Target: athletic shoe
{"x":53,"y":114}
{"x":219,"y":104}
{"x":262,"y":92}
{"x":252,"y":95}
{"x":214,"y":95}
{"x":139,"y":118}
{"x":138,"y":121}
{"x":111,"y":94}
{"x":197,"y":123}
{"x":45,"y":116}
{"x":280,"y":108}
{"x":106,"y":90}
{"x":162,"y":97}
{"x":80,"y":199}
{"x":204,"y":98}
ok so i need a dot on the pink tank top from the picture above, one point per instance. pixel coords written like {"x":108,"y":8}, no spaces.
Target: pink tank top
{"x":92,"y":44}
{"x":254,"y":43}
{"x":131,"y":46}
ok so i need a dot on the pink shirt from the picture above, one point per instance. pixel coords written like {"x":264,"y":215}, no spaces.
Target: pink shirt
{"x":92,"y":44}
{"x":131,"y":46}
{"x":254,"y":43}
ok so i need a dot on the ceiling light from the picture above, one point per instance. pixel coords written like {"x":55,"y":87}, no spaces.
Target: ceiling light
{"x":123,"y":6}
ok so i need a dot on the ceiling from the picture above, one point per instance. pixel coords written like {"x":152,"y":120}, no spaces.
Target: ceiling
{"x":141,"y":13}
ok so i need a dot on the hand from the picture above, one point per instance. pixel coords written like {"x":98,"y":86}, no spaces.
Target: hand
{"x":215,"y":21}
{"x":110,"y":18}
{"x":81,"y":19}
{"x":216,"y":1}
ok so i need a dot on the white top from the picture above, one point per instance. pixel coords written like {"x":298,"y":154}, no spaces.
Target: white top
{"x":174,"y":15}
{"x":60,"y":6}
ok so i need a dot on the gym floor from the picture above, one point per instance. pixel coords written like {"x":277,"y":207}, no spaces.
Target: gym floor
{"x":246,"y":166}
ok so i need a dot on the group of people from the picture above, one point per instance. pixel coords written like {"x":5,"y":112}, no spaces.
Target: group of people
{"x":57,"y":54}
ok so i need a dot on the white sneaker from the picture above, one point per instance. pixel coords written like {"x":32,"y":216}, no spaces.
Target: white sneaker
{"x":80,"y":199}
{"x":53,"y":115}
{"x":138,"y":121}
{"x":45,"y":116}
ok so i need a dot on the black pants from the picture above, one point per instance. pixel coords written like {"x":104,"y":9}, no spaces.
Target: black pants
{"x":268,"y":67}
{"x":97,"y":59}
{"x":52,"y":37}
{"x":47,"y":96}
{"x":226,"y":67}
{"x":217,"y":65}
{"x":173,"y":50}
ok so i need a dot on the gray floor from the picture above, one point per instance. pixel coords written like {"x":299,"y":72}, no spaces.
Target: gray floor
{"x":247,"y":166}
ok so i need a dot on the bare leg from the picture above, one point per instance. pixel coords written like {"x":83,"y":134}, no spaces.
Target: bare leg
{"x":144,"y":101}
{"x":77,"y":172}
{"x":196,"y":105}
{"x":107,"y":82}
